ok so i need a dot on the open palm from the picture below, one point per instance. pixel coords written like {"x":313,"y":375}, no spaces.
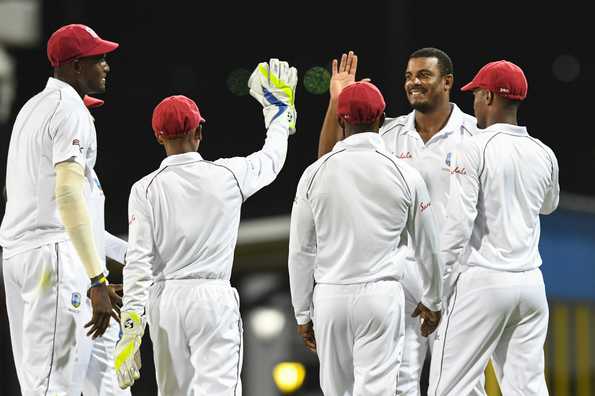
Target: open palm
{"x":343,"y":73}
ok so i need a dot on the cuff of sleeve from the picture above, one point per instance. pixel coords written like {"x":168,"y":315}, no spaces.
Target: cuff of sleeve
{"x":432,"y":305}
{"x":303,"y":318}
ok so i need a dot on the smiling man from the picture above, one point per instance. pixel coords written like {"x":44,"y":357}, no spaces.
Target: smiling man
{"x":51,"y":235}
{"x":423,"y":139}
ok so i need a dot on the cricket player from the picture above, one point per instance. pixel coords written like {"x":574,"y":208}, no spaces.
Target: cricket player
{"x":423,"y":139}
{"x":52,"y":243}
{"x":94,"y":372}
{"x":184,"y":220}
{"x":352,"y":211}
{"x":502,"y":179}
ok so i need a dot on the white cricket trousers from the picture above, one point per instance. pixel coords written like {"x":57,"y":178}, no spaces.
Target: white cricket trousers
{"x":196,"y":331}
{"x":95,"y":374}
{"x":498,"y":315}
{"x":45,"y":292}
{"x":416,"y":346}
{"x":359,"y":332}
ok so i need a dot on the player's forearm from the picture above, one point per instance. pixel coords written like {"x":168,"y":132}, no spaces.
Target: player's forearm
{"x":115,"y":248}
{"x":330,"y":133}
{"x":73,"y":212}
{"x":137,"y":278}
{"x":301,"y":283}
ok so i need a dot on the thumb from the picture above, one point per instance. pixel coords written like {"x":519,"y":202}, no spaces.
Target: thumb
{"x":365,"y":80}
{"x":417,"y":311}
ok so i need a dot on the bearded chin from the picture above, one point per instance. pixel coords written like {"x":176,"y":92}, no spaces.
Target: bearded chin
{"x":422,"y":107}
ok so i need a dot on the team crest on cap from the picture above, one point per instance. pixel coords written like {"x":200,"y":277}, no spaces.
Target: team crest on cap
{"x":75,"y":300}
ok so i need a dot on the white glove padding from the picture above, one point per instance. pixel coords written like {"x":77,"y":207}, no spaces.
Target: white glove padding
{"x":127,"y":360}
{"x":273,"y":85}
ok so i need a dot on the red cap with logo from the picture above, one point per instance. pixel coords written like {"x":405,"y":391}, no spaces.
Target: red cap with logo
{"x":502,"y":78}
{"x":175,"y":116}
{"x":360,"y":103}
{"x":76,"y":41}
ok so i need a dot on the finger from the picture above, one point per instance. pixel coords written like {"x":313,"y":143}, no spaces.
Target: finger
{"x":366,"y":80}
{"x":353,"y":65}
{"x":116,"y":300}
{"x":343,"y":64}
{"x":116,"y":315}
{"x":334,"y":67}
{"x":416,"y":312}
{"x":117,"y":287}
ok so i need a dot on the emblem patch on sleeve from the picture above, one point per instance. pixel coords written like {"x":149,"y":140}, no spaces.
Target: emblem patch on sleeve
{"x":75,"y":300}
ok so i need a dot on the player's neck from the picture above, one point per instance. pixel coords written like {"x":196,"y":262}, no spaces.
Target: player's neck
{"x":177,"y":147}
{"x":429,"y":123}
{"x":502,"y":117}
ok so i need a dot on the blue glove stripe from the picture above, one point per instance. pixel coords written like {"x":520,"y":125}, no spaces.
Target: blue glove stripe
{"x":274,"y":101}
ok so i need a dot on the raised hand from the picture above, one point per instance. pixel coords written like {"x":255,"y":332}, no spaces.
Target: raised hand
{"x":343,"y":73}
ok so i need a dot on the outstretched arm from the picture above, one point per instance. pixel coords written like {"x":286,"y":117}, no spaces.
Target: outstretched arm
{"x":272,"y":85}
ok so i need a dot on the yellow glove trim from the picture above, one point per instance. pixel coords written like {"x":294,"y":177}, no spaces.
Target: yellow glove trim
{"x":72,"y":208}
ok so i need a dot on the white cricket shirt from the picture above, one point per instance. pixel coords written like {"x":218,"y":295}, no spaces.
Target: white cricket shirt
{"x":184,"y":217}
{"x":351,"y":211}
{"x":502,"y":179}
{"x":52,"y":127}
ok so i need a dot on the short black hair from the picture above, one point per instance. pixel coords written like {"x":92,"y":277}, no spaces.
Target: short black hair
{"x":444,"y":62}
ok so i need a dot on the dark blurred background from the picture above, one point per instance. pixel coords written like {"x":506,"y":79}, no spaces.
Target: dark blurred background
{"x":206,"y":49}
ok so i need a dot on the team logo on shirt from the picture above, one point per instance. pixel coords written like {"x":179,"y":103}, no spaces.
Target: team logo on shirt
{"x":448,"y":159}
{"x":423,"y":206}
{"x":131,"y":220}
{"x":404,"y":155}
{"x":76,"y":142}
{"x":75,"y":300}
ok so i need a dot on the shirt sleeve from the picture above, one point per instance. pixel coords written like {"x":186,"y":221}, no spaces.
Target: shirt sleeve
{"x":115,"y":248}
{"x":302,"y":255}
{"x":552,"y":195}
{"x":71,"y":136}
{"x":462,"y":204}
{"x":137,"y":273}
{"x":422,"y":229}
{"x":259,"y":169}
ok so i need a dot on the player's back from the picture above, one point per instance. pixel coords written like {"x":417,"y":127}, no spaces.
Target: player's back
{"x":360,"y":200}
{"x":194,"y":211}
{"x":518,"y":177}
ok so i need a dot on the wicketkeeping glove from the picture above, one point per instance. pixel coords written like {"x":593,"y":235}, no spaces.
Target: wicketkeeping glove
{"x":273,"y":85}
{"x":127,"y":361}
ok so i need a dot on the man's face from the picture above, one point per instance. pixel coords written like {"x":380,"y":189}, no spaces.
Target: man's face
{"x":425,"y":85}
{"x":480,"y":106}
{"x":94,"y":70}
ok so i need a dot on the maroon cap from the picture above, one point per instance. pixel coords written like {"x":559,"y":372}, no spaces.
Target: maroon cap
{"x":92,"y":102}
{"x":360,"y":103}
{"x":502,"y":78}
{"x":175,"y":116}
{"x":76,"y":41}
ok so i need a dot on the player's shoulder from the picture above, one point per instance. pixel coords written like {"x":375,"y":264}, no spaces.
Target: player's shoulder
{"x":394,"y":125}
{"x":545,"y":147}
{"x":467,"y":123}
{"x":141,"y":186}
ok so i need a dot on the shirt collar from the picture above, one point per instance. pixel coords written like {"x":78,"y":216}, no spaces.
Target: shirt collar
{"x":369,"y":140}
{"x":455,"y":120}
{"x":54,"y":83}
{"x":507,"y":128}
{"x":179,"y":159}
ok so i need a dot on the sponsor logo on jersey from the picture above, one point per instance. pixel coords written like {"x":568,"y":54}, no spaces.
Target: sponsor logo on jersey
{"x":448,"y":159}
{"x":423,"y":206}
{"x":404,"y":155}
{"x":131,"y":220}
{"x":75,"y":300}
{"x":458,"y":170}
